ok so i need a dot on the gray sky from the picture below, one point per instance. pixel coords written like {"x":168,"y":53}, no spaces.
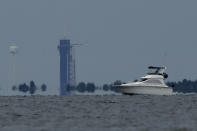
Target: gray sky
{"x":123,"y":37}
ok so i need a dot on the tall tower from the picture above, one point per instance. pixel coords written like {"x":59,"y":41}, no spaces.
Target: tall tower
{"x":64,"y":49}
{"x":67,"y":66}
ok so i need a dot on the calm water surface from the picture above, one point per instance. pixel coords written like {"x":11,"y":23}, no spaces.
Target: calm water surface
{"x":96,"y":113}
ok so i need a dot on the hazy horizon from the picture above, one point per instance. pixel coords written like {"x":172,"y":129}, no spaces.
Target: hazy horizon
{"x":123,"y":37}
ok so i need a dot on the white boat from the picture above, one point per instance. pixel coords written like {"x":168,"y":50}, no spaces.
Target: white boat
{"x":152,"y":84}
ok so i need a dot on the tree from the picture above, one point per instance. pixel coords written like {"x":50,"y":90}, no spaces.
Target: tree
{"x":32,"y":88}
{"x":43,"y":87}
{"x":90,"y":87}
{"x":184,"y":86}
{"x":23,"y":88}
{"x":81,"y":87}
{"x":106,"y":87}
{"x":118,"y":82}
{"x":114,"y":88}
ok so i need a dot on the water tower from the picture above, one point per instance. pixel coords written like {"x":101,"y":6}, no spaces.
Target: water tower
{"x":13,"y":50}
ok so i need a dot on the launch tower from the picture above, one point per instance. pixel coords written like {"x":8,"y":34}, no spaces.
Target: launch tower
{"x":67,"y":66}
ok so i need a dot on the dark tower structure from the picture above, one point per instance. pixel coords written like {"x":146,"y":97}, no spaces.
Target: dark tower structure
{"x":64,"y":49}
{"x":67,"y":66}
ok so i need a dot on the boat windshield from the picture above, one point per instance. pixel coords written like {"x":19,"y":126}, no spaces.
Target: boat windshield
{"x":156,"y":71}
{"x":142,"y":79}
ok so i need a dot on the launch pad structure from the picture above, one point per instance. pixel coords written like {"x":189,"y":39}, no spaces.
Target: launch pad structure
{"x":67,"y":66}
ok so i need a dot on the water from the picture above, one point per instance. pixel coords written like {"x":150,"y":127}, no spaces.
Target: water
{"x":96,"y":113}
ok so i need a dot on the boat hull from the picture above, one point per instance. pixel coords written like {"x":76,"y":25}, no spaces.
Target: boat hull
{"x":150,"y":90}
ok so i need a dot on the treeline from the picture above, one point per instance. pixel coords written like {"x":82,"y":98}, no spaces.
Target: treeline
{"x":30,"y":88}
{"x":184,"y":86}
{"x":83,"y":87}
{"x":111,"y":87}
{"x":91,"y":87}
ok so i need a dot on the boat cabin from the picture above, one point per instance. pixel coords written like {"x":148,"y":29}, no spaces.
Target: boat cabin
{"x":157,"y":71}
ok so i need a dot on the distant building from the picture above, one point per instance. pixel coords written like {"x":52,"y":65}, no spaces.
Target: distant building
{"x":67,"y":66}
